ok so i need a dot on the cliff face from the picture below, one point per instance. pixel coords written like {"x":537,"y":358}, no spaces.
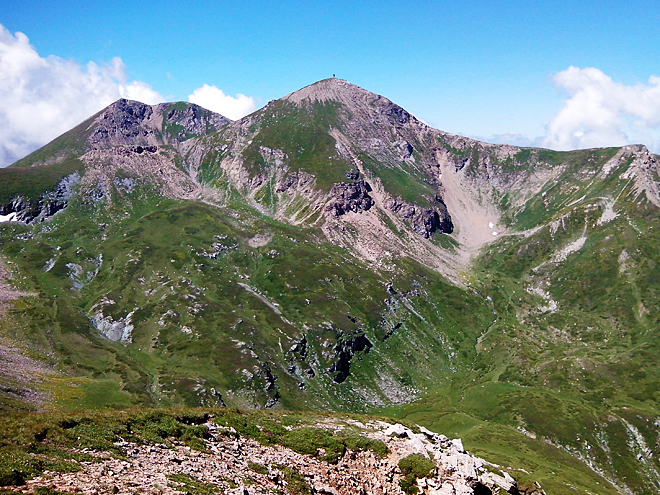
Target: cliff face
{"x":127,"y":122}
{"x":128,"y":137}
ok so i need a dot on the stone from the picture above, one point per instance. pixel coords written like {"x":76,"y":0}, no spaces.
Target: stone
{"x":349,"y":196}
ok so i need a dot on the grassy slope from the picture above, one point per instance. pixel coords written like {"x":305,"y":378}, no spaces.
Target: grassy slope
{"x":152,"y":259}
{"x":165,"y":366}
{"x":302,"y":134}
{"x":31,"y":183}
{"x":581,"y":377}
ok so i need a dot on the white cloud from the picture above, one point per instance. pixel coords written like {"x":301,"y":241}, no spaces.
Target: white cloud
{"x":140,"y":91}
{"x":42,"y":97}
{"x":214,"y":99}
{"x":602,"y":112}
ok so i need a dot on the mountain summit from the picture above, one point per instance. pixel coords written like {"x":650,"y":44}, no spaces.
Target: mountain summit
{"x":355,"y":99}
{"x":332,"y":252}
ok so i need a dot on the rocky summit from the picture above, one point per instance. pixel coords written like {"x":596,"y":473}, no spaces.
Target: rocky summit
{"x":331,"y":252}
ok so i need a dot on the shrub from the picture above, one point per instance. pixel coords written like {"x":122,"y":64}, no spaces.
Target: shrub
{"x":412,"y":467}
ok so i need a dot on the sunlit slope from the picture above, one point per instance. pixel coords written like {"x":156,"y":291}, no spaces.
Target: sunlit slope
{"x":571,"y":357}
{"x":186,"y":304}
{"x":330,"y":251}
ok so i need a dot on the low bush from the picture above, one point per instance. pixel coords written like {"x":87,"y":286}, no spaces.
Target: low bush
{"x":413,"y":467}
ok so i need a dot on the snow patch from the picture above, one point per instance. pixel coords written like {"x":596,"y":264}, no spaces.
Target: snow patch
{"x":12,"y":217}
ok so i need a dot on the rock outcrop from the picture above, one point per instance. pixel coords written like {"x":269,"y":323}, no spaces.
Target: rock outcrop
{"x":424,"y":221}
{"x":344,"y":352}
{"x":25,"y":210}
{"x":128,"y":122}
{"x":350,"y":196}
{"x":238,"y":465}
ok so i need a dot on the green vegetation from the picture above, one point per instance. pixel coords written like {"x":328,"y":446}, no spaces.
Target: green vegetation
{"x":67,"y":147}
{"x":160,"y":245}
{"x":413,"y":467}
{"x":303,"y":135}
{"x":569,"y":357}
{"x":290,"y":430}
{"x":258,"y":468}
{"x":174,"y":131}
{"x":545,"y":360}
{"x":191,"y":306}
{"x":400,"y":180}
{"x":33,"y":443}
{"x":193,"y":486}
{"x":296,"y":483}
{"x":32,"y":183}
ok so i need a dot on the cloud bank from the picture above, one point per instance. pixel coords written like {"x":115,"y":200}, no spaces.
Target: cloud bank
{"x":214,"y":99}
{"x":598,"y":112}
{"x":42,"y":97}
{"x":602,"y":112}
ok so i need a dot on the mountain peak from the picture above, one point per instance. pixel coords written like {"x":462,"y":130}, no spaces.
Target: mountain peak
{"x":333,"y":89}
{"x":363,"y":106}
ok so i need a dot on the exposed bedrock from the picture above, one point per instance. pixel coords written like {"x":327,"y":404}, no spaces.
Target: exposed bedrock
{"x":350,"y":196}
{"x":344,"y":352}
{"x":24,"y":210}
{"x":424,"y":221}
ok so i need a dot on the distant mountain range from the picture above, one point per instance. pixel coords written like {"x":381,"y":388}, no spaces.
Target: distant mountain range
{"x":332,"y":252}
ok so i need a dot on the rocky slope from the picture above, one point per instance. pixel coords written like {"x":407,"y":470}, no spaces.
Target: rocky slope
{"x":236,"y":465}
{"x":323,"y":455}
{"x":101,"y":148}
{"x":330,"y":251}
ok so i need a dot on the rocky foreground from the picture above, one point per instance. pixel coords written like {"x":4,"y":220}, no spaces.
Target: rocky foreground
{"x":237,"y":465}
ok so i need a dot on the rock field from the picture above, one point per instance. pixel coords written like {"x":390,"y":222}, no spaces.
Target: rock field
{"x":236,"y":465}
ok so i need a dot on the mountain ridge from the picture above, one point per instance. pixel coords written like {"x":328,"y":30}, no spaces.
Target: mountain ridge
{"x":332,"y":252}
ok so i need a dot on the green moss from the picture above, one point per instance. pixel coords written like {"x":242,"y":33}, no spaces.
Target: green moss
{"x":296,"y":483}
{"x":193,"y":486}
{"x":413,"y":467}
{"x":258,"y":468}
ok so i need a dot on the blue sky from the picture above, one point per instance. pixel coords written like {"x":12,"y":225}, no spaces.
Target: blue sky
{"x":482,"y":69}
